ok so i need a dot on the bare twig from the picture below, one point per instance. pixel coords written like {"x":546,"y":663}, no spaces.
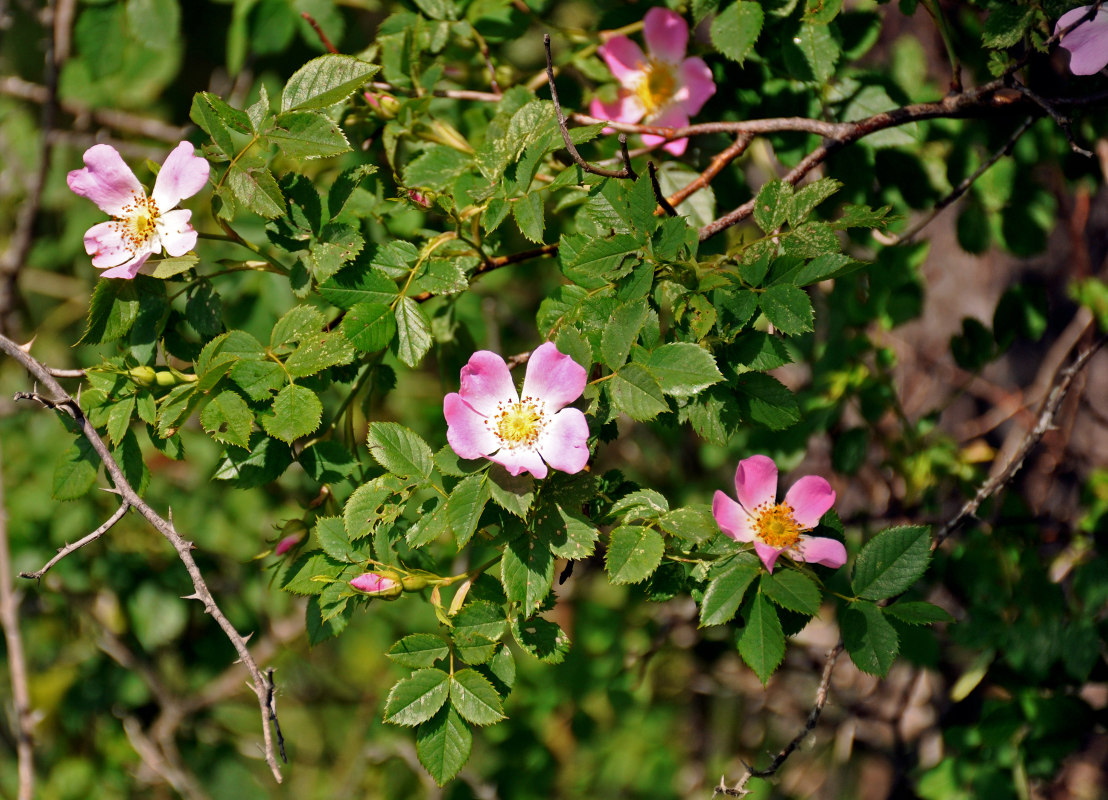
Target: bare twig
{"x":64,"y":402}
{"x":659,"y":195}
{"x":1047,"y":410}
{"x":71,"y":548}
{"x":739,"y":789}
{"x":318,"y":32}
{"x":17,"y":663}
{"x":483,"y":46}
{"x":1061,"y":120}
{"x":721,"y":160}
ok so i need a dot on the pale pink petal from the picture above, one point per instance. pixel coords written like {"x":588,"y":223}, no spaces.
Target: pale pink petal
{"x":177,"y":235}
{"x":182,"y":175}
{"x":767,"y":553}
{"x":467,"y":431}
{"x":553,"y":377}
{"x":519,"y":461}
{"x":105,"y":243}
{"x":732,"y":518}
{"x":756,"y":482}
{"x":810,"y":497}
{"x":486,"y":382}
{"x":624,"y":58}
{"x":127,"y":271}
{"x":821,"y":550}
{"x":105,"y":180}
{"x":627,"y":108}
{"x":696,"y":85}
{"x":564,"y":442}
{"x":666,"y":34}
{"x":1087,"y":43}
{"x":672,"y":116}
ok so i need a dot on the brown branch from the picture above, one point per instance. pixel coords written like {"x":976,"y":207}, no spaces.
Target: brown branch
{"x":739,"y":789}
{"x":17,"y":664}
{"x":721,"y":160}
{"x":497,"y":262}
{"x":92,"y":537}
{"x":64,"y":402}
{"x":318,"y":32}
{"x":659,"y":195}
{"x":1061,"y":385}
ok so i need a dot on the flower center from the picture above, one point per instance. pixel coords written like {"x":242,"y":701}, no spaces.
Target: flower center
{"x":776,"y":526}
{"x":657,"y":86}
{"x":137,"y":221}
{"x":519,"y":424}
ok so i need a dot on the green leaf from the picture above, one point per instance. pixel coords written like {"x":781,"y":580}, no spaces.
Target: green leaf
{"x":228,"y":419}
{"x":600,"y":261}
{"x":416,"y":699}
{"x":443,"y":744}
{"x":324,"y":81}
{"x":368,"y":507}
{"x":296,"y":324}
{"x":513,"y":493}
{"x":869,"y":638}
{"x":399,"y":450}
{"x":917,"y":612}
{"x":311,"y":573}
{"x":812,"y":53}
{"x":636,"y":392}
{"x":765,"y":399}
{"x":296,"y":412}
{"x":119,"y":419}
{"x":762,"y":645}
{"x":317,"y":352}
{"x":473,"y":697}
{"x":542,"y":638}
{"x":771,"y":206}
{"x":633,"y":553}
{"x":892,"y":561}
{"x":788,"y":308}
{"x":1006,"y":25}
{"x":871,"y":100}
{"x":259,"y":379}
{"x":482,"y":618}
{"x":735,"y":30}
{"x":810,"y":240}
{"x":256,"y":189}
{"x":369,"y":326}
{"x":418,"y":650}
{"x":265,"y":460}
{"x":575,"y":536}
{"x":308,"y":134}
{"x":527,"y":572}
{"x":331,"y":535}
{"x":528,"y":213}
{"x":693,"y":523}
{"x":413,"y":332}
{"x":791,"y":589}
{"x":464,"y":507}
{"x":683,"y":369}
{"x":165,"y":268}
{"x":359,"y":284}
{"x":343,"y":187}
{"x":436,"y":168}
{"x":75,"y":471}
{"x":217,"y":119}
{"x":327,"y":461}
{"x":805,"y":200}
{"x":431,"y":524}
{"x":645,"y":504}
{"x":112,"y":312}
{"x":621,"y":331}
{"x":726,"y":590}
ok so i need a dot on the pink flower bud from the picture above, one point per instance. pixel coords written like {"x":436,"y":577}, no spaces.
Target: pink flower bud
{"x":419,"y":198}
{"x":377,"y":585}
{"x":286,"y":544}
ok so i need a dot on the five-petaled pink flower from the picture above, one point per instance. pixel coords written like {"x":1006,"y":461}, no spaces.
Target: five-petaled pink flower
{"x":663,"y":88}
{"x":377,"y":585}
{"x":142,"y":225}
{"x":488,"y":418}
{"x":1088,"y":42}
{"x":777,"y":528}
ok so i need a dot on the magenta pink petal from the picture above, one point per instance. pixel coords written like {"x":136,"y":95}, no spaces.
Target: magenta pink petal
{"x":732,"y":518}
{"x":182,"y":175}
{"x":810,"y":497}
{"x":177,"y":235}
{"x":553,"y":377}
{"x":627,"y":108}
{"x":756,"y":482}
{"x":486,"y":382}
{"x":372,"y":583}
{"x":624,"y":58}
{"x":672,"y":116}
{"x":564,"y":442}
{"x":666,"y":34}
{"x":821,"y":550}
{"x":467,"y":431}
{"x":767,"y":553}
{"x":1087,"y":43}
{"x":127,"y":271}
{"x":519,"y":461}
{"x":697,"y":85}
{"x":105,"y":180}
{"x":106,"y":245}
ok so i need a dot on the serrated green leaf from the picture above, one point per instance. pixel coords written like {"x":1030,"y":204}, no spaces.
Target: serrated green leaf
{"x":621,"y":331}
{"x":265,"y":461}
{"x":327,"y":461}
{"x":645,"y":504}
{"x":788,"y":308}
{"x":413,"y":331}
{"x":256,"y":188}
{"x":892,"y":561}
{"x":75,"y":471}
{"x":259,"y":379}
{"x":917,"y":612}
{"x":869,"y":638}
{"x":443,"y":744}
{"x":119,"y":419}
{"x":165,"y":268}
{"x":369,"y":508}
{"x":683,"y":369}
{"x":726,"y":590}
{"x":474,"y":699}
{"x":735,"y":30}
{"x":112,"y":312}
{"x":431,"y":524}
{"x":771,"y":206}
{"x":513,"y":493}
{"x":810,"y":240}
{"x":418,"y":650}
{"x":766,"y":400}
{"x":311,"y":573}
{"x":541,"y":638}
{"x":633,"y":553}
{"x":369,"y":326}
{"x":812,"y":53}
{"x":636,"y":392}
{"x":528,"y":213}
{"x":762,"y":645}
{"x":359,"y":284}
{"x":297,"y":412}
{"x":416,"y":699}
{"x":575,"y":536}
{"x":693,"y":523}
{"x":399,"y":450}
{"x":331,"y":535}
{"x":436,"y":168}
{"x":317,"y":352}
{"x":343,"y":188}
{"x":205,"y":112}
{"x":447,"y":462}
{"x":308,"y":134}
{"x":324,"y":81}
{"x":464,"y":507}
{"x":792,"y":590}
{"x":228,"y":419}
{"x":527,"y":572}
{"x":600,"y":261}
{"x":805,"y":199}
{"x":481,"y":617}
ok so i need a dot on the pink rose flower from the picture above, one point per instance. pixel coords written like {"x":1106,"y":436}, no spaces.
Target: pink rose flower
{"x":663,"y":88}
{"x":141,"y":225}
{"x":777,"y":528}
{"x":1088,"y":42}
{"x":377,"y":585}
{"x":487,"y":418}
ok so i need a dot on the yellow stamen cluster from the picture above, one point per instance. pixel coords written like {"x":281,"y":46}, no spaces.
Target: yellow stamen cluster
{"x":137,"y":221}
{"x":657,"y":86}
{"x":519,"y":424}
{"x":776,"y":526}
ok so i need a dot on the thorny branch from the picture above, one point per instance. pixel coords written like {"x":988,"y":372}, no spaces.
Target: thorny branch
{"x":90,"y":538}
{"x":62,"y":401}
